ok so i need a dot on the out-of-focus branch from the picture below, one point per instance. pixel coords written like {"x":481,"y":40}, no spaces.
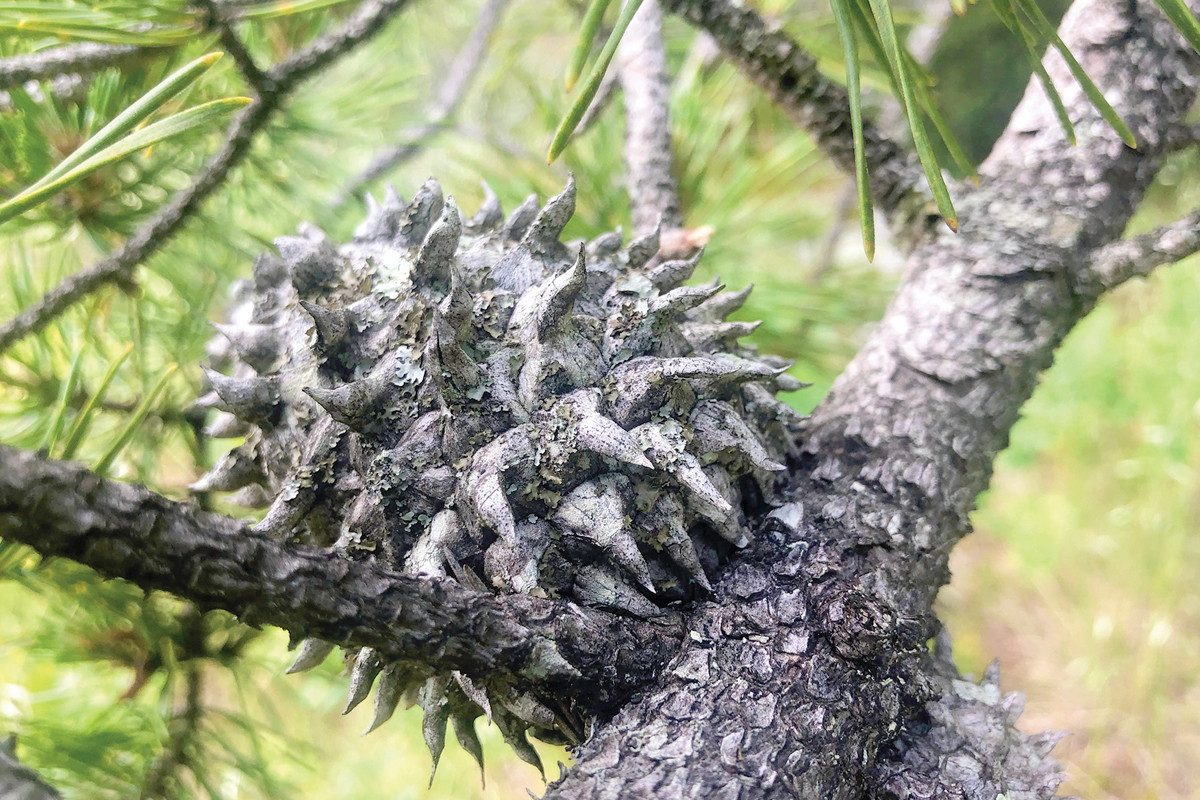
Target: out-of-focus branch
{"x":789,"y":74}
{"x":185,"y":725}
{"x":233,"y":45}
{"x":62,"y":509}
{"x":1136,"y":256}
{"x":603,"y":99}
{"x":450,"y":95}
{"x":642,"y":71}
{"x":85,"y":58}
{"x":367,"y":20}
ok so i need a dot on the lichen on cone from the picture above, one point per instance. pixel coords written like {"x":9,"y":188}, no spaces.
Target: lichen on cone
{"x":475,"y":399}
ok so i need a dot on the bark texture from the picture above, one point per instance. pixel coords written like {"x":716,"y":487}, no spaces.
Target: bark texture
{"x":125,"y":531}
{"x":85,"y":58}
{"x":809,"y":676}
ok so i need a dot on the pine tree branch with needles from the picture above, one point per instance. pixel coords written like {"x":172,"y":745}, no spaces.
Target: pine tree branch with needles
{"x":789,"y":74}
{"x":280,"y":82}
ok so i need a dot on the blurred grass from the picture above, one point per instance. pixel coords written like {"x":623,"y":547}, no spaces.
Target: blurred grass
{"x":1081,"y":575}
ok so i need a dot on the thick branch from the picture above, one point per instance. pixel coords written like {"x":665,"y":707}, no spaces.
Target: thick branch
{"x":809,"y":676}
{"x":1135,"y":257}
{"x":61,"y":509}
{"x":450,"y":95}
{"x":367,"y":20}
{"x":789,"y":74}
{"x":980,"y":315}
{"x":642,"y":70}
{"x":86,"y":58}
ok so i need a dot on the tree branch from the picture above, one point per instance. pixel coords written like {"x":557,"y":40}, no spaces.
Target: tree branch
{"x":182,"y":732}
{"x":642,"y":71}
{"x":85,"y":58}
{"x":258,"y":80}
{"x":125,"y":531}
{"x":809,"y":675}
{"x":367,"y":20}
{"x":775,"y":63}
{"x":450,"y":95}
{"x":1135,"y":257}
{"x":609,"y":85}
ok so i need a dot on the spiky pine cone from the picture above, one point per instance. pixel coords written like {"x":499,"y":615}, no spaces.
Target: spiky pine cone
{"x":477,"y":400}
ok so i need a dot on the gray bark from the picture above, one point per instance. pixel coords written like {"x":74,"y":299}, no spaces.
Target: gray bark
{"x":642,"y":71}
{"x":808,"y":676}
{"x":17,"y":781}
{"x":125,"y":531}
{"x":85,"y":58}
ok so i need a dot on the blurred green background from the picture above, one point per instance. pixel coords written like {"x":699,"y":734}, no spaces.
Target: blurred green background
{"x":1080,"y":577}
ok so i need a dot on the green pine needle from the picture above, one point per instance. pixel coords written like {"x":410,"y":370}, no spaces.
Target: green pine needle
{"x":143,"y":409}
{"x":1183,"y":20}
{"x":866,"y":212}
{"x":937,"y":185}
{"x":84,"y":421}
{"x":583,"y":45}
{"x":1046,"y":28}
{"x":174,"y":125}
{"x":580,"y":106}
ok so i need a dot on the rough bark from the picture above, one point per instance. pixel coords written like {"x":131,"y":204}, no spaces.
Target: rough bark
{"x":17,"y":781}
{"x":809,"y":674}
{"x":62,"y":509}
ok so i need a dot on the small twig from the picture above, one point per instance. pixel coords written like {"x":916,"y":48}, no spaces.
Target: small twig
{"x":833,"y":237}
{"x":702,"y":55}
{"x":450,"y":95}
{"x":85,"y":58}
{"x":283,"y":79}
{"x":414,"y":140}
{"x":653,"y":193}
{"x":825,"y":260}
{"x":789,"y":74}
{"x":1137,"y":256}
{"x":233,"y":45}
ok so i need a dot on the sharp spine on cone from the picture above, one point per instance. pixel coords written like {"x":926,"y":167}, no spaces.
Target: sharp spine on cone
{"x":469,"y":399}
